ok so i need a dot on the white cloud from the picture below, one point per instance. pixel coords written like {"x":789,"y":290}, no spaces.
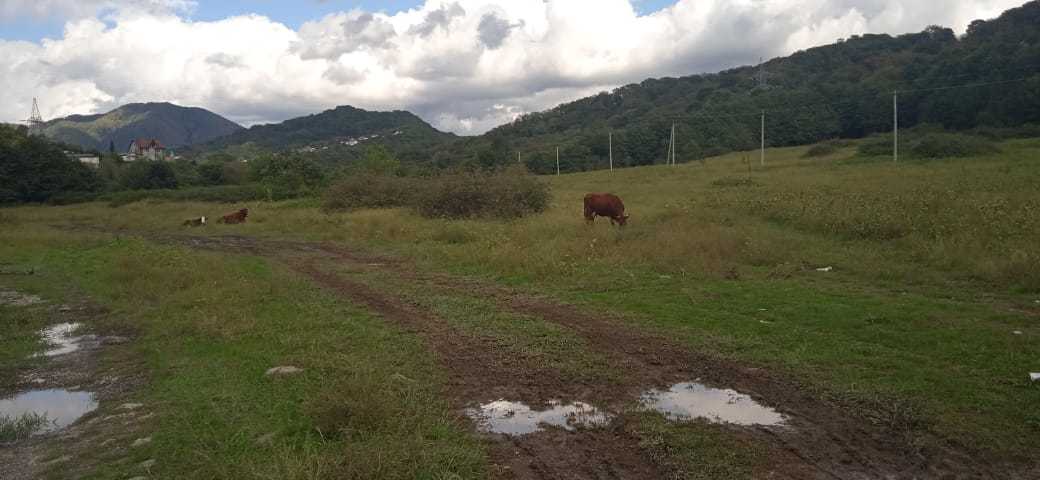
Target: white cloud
{"x":464,"y":65}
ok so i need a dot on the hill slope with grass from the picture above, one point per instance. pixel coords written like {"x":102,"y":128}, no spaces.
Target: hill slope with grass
{"x":840,"y":90}
{"x":173,"y":125}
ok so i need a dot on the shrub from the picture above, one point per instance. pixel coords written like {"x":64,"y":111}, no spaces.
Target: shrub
{"x":944,"y":145}
{"x":369,"y":191}
{"x":506,"y":194}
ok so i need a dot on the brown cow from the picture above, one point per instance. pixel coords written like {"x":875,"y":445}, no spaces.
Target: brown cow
{"x":195,"y":222}
{"x":605,"y":205}
{"x":233,"y":218}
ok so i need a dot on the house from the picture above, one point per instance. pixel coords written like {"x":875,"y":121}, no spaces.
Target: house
{"x":146,"y":149}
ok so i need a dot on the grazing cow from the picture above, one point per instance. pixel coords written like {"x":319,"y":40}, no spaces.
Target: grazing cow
{"x":605,"y":205}
{"x":234,"y":218}
{"x":195,"y":222}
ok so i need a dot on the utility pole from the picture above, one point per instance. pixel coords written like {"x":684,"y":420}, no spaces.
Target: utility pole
{"x":517,"y":157}
{"x":673,"y":144}
{"x":895,"y":126}
{"x":610,"y":149}
{"x":763,"y":140}
{"x":557,"y":161}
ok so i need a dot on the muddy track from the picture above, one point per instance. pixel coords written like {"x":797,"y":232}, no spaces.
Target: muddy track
{"x":101,"y":436}
{"x":822,"y":440}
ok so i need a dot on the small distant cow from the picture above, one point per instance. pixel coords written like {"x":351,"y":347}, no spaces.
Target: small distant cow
{"x":234,"y":218}
{"x":195,"y":222}
{"x":605,"y":205}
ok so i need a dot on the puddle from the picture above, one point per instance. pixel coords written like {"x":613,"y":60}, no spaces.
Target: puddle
{"x":515,"y":418}
{"x":61,"y":407}
{"x":685,"y":401}
{"x":60,"y":339}
{"x":16,"y":299}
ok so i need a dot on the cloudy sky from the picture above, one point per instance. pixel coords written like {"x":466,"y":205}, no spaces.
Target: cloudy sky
{"x":463,"y":65}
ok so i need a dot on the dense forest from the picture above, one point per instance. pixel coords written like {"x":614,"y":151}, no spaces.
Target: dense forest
{"x":841,"y":90}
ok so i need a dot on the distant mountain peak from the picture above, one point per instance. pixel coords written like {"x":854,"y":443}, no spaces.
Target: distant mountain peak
{"x":171,"y":124}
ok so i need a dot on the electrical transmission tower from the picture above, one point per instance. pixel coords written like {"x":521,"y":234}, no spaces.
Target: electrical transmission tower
{"x":35,"y":121}
{"x":762,"y":77}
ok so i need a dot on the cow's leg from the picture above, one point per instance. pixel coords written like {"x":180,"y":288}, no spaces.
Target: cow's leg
{"x":590,"y":216}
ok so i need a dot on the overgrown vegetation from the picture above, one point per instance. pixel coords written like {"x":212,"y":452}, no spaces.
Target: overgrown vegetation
{"x":504,"y":194}
{"x":33,"y":169}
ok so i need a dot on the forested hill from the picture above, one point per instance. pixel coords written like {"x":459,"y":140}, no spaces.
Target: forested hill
{"x":173,"y":125}
{"x":339,"y":131}
{"x":840,"y":90}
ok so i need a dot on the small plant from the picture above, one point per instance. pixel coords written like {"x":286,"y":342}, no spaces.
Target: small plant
{"x":13,"y":429}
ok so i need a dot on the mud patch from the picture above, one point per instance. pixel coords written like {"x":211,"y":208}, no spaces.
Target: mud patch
{"x":15,"y":299}
{"x":60,"y":339}
{"x":689,"y":400}
{"x":516,"y":418}
{"x":59,"y":406}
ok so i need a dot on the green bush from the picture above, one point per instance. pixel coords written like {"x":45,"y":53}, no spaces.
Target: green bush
{"x":945,"y":145}
{"x":509,"y":194}
{"x":369,"y":191}
{"x":505,"y":195}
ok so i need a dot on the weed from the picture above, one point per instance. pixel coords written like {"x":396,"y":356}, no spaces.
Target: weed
{"x":13,"y":429}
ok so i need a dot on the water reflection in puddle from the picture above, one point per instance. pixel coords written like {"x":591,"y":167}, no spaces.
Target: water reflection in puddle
{"x":689,"y":400}
{"x":60,"y":338}
{"x":515,"y":418}
{"x":61,"y":407}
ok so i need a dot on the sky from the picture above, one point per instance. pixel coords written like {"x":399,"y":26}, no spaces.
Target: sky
{"x":465,"y":66}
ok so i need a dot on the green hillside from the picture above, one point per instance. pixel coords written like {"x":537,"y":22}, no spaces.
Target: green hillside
{"x":336,"y":135}
{"x":173,"y":125}
{"x":840,"y":90}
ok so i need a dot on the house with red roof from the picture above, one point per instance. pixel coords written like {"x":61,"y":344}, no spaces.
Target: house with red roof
{"x":147,"y":149}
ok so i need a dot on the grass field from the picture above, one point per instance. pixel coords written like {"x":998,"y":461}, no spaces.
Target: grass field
{"x":933,"y":267}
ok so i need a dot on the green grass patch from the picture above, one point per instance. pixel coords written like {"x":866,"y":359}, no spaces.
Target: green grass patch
{"x":210,"y":325}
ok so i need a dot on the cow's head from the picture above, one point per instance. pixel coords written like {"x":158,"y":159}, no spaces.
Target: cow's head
{"x":203,"y":219}
{"x":623,"y":220}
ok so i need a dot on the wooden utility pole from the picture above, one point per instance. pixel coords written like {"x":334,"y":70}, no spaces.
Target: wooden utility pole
{"x":610,"y":149}
{"x":557,"y":161}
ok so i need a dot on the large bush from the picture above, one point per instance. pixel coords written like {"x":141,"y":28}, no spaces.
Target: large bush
{"x":370,"y":191}
{"x":504,"y":194}
{"x":491,"y":195}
